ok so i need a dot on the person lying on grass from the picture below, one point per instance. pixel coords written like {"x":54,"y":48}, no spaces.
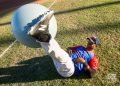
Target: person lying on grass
{"x":84,"y":58}
{"x":65,"y":64}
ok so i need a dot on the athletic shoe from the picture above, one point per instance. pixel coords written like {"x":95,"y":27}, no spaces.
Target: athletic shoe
{"x":41,"y":27}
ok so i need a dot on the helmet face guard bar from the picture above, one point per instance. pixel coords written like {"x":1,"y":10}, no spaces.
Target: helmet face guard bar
{"x":94,"y":40}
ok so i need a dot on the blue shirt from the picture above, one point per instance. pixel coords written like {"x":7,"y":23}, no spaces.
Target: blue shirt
{"x":83,"y":53}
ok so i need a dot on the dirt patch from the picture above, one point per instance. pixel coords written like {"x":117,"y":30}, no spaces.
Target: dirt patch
{"x":13,"y":4}
{"x":7,"y":6}
{"x":43,"y":1}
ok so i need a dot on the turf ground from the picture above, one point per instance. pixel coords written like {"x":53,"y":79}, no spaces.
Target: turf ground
{"x":77,"y":19}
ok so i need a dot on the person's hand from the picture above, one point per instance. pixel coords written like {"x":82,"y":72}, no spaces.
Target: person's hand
{"x":80,"y":60}
{"x":87,"y":67}
{"x":69,"y":50}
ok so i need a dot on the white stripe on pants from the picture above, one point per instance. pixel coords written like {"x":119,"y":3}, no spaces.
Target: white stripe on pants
{"x":63,"y":63}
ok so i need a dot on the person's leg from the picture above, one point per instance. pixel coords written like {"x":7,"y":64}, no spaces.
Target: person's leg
{"x":61,"y":59}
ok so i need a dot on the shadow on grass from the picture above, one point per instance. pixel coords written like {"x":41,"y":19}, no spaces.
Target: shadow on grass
{"x":35,"y":69}
{"x":91,"y":29}
{"x":6,"y":23}
{"x":87,"y":7}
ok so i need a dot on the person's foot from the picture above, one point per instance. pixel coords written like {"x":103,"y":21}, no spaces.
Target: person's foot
{"x":41,"y":27}
{"x":42,"y":37}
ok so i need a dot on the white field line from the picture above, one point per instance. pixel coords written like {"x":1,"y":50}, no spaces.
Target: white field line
{"x":3,"y":53}
{"x":52,"y":4}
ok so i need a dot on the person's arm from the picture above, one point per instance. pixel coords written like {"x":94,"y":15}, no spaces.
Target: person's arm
{"x":72,"y":49}
{"x":89,"y":71}
{"x":69,"y":50}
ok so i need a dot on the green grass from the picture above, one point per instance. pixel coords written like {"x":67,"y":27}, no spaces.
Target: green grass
{"x":26,"y":66}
